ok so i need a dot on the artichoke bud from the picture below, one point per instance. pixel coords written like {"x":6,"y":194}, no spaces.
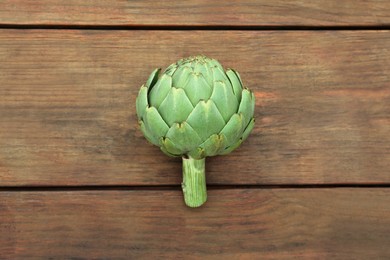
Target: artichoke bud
{"x":195,"y":109}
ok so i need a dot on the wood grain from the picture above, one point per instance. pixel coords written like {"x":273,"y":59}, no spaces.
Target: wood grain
{"x":196,"y":12}
{"x":68,"y":117}
{"x":244,"y":224}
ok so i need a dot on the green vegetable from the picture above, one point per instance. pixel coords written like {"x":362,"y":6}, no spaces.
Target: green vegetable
{"x":193,"y":110}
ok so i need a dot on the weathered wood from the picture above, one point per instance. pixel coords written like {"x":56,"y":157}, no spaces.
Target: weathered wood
{"x":196,"y":12}
{"x":68,"y":117}
{"x":245,"y":224}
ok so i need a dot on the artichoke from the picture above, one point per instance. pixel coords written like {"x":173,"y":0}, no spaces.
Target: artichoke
{"x":195,"y":109}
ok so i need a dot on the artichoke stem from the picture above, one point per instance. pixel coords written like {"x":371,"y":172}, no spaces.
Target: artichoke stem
{"x":194,"y":182}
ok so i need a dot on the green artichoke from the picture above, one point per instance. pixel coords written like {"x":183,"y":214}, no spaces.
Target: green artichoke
{"x":193,"y":110}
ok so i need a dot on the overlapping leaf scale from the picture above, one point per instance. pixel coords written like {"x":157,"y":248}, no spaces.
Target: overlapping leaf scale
{"x":197,"y":88}
{"x":176,"y":106}
{"x":214,"y":63}
{"x":236,"y":83}
{"x":214,"y":144}
{"x":224,"y":99}
{"x":169,"y":148}
{"x":219,"y":75}
{"x":154,"y":125}
{"x":142,"y":101}
{"x":203,"y":69}
{"x":197,"y":153}
{"x":244,"y":136}
{"x":181,"y":76}
{"x":153,"y":78}
{"x":160,"y":90}
{"x":232,"y":147}
{"x":253,"y":103}
{"x":233,"y":129}
{"x":247,"y":105}
{"x":170,"y":70}
{"x":148,"y":135}
{"x":248,"y":129}
{"x":206,"y":119}
{"x":183,"y":137}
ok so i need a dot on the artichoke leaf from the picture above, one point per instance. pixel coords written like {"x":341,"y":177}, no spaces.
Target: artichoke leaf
{"x":204,"y":70}
{"x":215,"y":64}
{"x":197,"y":153}
{"x":205,"y":119}
{"x":248,"y":129}
{"x":181,"y":76}
{"x":197,"y":88}
{"x":168,"y":147}
{"x":219,"y":75}
{"x":170,"y":70}
{"x":183,"y":137}
{"x":232,"y":147}
{"x":142,"y":101}
{"x":214,"y":144}
{"x":233,"y":129}
{"x":153,"y":78}
{"x":253,"y":103}
{"x":160,"y":90}
{"x":176,"y":106}
{"x":147,"y":134}
{"x":247,"y":105}
{"x":155,"y":125}
{"x":236,"y":83}
{"x":224,"y":99}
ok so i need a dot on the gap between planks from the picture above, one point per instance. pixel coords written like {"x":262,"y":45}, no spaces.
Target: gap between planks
{"x":178,"y":187}
{"x":196,"y":27}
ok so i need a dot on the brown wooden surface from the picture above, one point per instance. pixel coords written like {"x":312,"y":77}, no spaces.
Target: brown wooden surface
{"x":68,"y":114}
{"x":199,"y":12}
{"x":234,"y":224}
{"x":67,"y":117}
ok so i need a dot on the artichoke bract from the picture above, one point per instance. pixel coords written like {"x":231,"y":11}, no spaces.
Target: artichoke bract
{"x":195,"y":109}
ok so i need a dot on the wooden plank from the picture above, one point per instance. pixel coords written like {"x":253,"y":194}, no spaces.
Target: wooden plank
{"x":245,"y":224}
{"x":196,"y":13}
{"x":68,"y":117}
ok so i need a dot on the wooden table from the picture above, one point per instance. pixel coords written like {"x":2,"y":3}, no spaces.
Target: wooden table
{"x":79,"y":181}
